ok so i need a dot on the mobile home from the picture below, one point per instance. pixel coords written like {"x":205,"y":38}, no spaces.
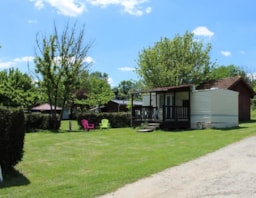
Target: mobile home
{"x":181,"y":107}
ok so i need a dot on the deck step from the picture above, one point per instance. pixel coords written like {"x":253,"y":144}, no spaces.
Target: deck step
{"x":150,"y":127}
{"x":154,"y":125}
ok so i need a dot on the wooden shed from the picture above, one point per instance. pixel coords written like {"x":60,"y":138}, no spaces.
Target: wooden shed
{"x":238,"y":84}
{"x":119,"y":106}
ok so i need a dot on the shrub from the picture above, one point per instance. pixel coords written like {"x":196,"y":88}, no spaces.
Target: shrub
{"x":12,"y":133}
{"x":253,"y":104}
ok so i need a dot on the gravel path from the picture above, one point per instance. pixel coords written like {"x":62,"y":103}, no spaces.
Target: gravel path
{"x":228,"y":172}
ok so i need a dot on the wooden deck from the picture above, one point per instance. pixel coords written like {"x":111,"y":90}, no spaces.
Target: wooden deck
{"x":168,"y":117}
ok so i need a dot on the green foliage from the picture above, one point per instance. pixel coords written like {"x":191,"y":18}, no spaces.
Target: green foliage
{"x":18,"y":89}
{"x":99,"y":91}
{"x":12,"y":133}
{"x":122,"y":90}
{"x":253,"y":114}
{"x":253,"y":102}
{"x":182,"y":60}
{"x":226,"y":71}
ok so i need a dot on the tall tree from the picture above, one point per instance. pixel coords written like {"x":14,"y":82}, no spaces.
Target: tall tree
{"x":99,"y":91}
{"x":124,"y":87}
{"x":60,"y":58}
{"x":182,"y":60}
{"x":226,"y":71}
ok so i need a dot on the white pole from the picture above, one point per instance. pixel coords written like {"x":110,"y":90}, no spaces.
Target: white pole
{"x":1,"y":176}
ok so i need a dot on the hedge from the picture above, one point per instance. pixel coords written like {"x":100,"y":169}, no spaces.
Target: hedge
{"x":117,"y":120}
{"x":40,"y":121}
{"x":12,"y":134}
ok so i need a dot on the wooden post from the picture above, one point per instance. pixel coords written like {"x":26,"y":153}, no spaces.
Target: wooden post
{"x":132,"y":109}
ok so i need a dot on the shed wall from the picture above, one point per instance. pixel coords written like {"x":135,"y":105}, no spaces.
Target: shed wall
{"x":214,"y":108}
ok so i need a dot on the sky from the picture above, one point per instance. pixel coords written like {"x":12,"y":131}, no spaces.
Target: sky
{"x":120,"y":29}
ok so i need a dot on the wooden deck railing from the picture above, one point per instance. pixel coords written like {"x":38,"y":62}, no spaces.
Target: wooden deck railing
{"x":165,"y":113}
{"x":175,"y":113}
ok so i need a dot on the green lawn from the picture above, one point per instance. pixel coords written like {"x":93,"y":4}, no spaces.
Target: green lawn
{"x":87,"y":164}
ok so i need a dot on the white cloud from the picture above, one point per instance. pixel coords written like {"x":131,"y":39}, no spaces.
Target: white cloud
{"x":38,"y":3}
{"x":252,"y":76}
{"x":242,"y":52}
{"x":148,"y":10}
{"x":27,"y":59}
{"x":14,"y":62}
{"x":23,"y":59}
{"x":74,"y":8}
{"x":203,"y":31}
{"x":89,"y":60}
{"x":126,"y":69}
{"x":226,"y":53}
{"x":132,"y":7}
{"x":110,"y":81}
{"x":5,"y":65}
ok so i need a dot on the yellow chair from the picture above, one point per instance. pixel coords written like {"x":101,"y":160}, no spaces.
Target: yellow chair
{"x":104,"y":124}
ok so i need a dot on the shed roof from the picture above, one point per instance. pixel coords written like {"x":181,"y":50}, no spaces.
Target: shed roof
{"x":125,"y":102}
{"x":226,"y":83}
{"x":165,"y":89}
{"x":45,"y":107}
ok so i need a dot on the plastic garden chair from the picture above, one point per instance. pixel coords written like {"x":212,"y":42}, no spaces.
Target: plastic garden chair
{"x":86,"y":125}
{"x":104,"y":124}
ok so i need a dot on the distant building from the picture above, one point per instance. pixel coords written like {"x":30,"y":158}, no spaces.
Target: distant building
{"x":45,"y":108}
{"x":119,"y":106}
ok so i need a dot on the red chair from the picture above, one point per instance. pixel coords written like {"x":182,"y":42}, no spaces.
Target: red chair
{"x":86,"y":125}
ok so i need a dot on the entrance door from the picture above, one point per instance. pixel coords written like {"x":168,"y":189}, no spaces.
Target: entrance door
{"x":169,"y":100}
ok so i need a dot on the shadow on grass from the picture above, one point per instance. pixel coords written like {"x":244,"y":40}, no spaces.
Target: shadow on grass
{"x":14,"y":178}
{"x":239,"y":127}
{"x":250,"y":121}
{"x":232,"y":128}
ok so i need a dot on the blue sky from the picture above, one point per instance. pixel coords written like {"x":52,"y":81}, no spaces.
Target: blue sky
{"x":122,"y":28}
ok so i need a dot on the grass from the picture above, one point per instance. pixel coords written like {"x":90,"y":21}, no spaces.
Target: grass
{"x":88,"y":164}
{"x":66,"y":124}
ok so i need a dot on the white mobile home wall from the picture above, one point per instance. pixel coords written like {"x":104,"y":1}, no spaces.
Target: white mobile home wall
{"x":214,"y":108}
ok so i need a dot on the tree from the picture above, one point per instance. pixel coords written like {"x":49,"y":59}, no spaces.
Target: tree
{"x":183,"y":60}
{"x":226,"y":71}
{"x":122,"y":90}
{"x":99,"y":90}
{"x":59,"y":60}
{"x":18,"y":89}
